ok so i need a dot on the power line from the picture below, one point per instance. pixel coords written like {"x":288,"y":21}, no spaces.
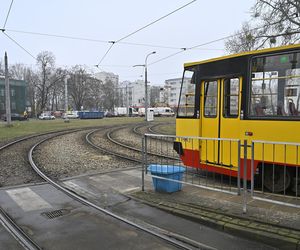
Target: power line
{"x":157,"y":20}
{"x":19,"y":45}
{"x":8,"y":14}
{"x":210,"y":42}
{"x":96,"y":40}
{"x":110,"y":47}
{"x":164,"y":58}
{"x":58,"y":36}
{"x":132,"y":33}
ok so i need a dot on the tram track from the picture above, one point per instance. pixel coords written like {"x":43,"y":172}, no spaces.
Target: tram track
{"x":17,"y":232}
{"x":134,"y":153}
{"x":176,"y":240}
{"x":21,"y":236}
{"x":9,"y":224}
{"x":19,"y":165}
{"x":173,"y":239}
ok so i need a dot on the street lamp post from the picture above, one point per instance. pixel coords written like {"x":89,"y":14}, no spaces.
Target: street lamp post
{"x":66,"y":98}
{"x":146,"y":89}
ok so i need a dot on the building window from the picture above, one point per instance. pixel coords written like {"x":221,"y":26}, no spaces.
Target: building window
{"x":12,"y":92}
{"x":2,"y":92}
{"x":2,"y":107}
{"x":13,"y":106}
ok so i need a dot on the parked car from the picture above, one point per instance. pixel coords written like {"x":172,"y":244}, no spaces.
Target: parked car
{"x":14,"y":117}
{"x":73,"y":115}
{"x":45,"y":116}
{"x":109,"y":114}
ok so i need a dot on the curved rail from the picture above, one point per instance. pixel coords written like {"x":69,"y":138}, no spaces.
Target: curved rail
{"x":88,"y":140}
{"x":108,"y":134}
{"x":90,"y":204}
{"x":5,"y":219}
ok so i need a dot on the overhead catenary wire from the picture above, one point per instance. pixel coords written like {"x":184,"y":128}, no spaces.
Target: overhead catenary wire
{"x":155,"y":21}
{"x":110,"y":47}
{"x":11,"y":3}
{"x":210,"y":42}
{"x":96,"y":40}
{"x":113,"y":42}
{"x":138,"y":30}
{"x":19,"y":45}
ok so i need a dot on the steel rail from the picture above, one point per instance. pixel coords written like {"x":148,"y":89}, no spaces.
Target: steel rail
{"x":78,"y":198}
{"x":17,"y":232}
{"x":108,"y":134}
{"x":8,"y":223}
{"x":88,"y":140}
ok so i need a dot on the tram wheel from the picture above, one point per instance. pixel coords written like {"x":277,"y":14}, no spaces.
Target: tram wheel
{"x":279,"y":184}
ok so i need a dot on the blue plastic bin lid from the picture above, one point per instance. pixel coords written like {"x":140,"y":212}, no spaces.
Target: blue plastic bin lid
{"x":165,"y":169}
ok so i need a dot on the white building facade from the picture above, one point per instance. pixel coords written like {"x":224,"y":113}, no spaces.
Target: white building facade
{"x":171,"y":92}
{"x":134,"y":93}
{"x":107,"y":76}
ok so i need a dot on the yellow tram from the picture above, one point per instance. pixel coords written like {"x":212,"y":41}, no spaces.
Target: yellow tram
{"x":248,"y":96}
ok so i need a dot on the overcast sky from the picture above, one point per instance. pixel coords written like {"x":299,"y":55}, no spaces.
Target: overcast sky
{"x":198,"y":23}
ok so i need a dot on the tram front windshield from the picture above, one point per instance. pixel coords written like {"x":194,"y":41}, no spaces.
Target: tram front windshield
{"x":186,"y":105}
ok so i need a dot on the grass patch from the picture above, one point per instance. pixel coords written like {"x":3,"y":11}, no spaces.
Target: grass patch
{"x":33,"y":126}
{"x":167,"y":129}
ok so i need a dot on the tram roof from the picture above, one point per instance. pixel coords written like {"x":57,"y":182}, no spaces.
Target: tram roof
{"x":253,"y":52}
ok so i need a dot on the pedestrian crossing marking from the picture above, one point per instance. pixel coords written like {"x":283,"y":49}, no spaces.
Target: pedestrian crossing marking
{"x":27,"y":199}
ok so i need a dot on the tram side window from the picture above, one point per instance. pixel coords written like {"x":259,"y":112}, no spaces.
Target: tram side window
{"x":231,"y":97}
{"x":186,"y":106}
{"x":210,"y":98}
{"x":275,"y":86}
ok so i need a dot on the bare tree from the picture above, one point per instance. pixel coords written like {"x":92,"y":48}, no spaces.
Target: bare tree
{"x":56,"y":93}
{"x":96,"y":96}
{"x":79,"y":86}
{"x":244,"y":40}
{"x":109,"y":91}
{"x":280,"y":19}
{"x":45,"y":62}
{"x":275,"y":22}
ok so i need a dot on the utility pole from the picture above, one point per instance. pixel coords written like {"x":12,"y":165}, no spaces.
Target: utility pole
{"x":127,"y":101}
{"x":7,"y":93}
{"x":146,"y":83}
{"x":66,"y":98}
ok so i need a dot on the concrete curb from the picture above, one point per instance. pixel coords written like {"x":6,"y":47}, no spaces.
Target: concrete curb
{"x":282,"y":238}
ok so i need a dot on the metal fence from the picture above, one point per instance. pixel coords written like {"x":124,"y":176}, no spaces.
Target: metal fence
{"x":221,"y":164}
{"x":277,"y":172}
{"x":158,"y":150}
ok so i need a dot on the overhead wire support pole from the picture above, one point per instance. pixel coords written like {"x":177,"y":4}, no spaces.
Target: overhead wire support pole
{"x":7,"y":92}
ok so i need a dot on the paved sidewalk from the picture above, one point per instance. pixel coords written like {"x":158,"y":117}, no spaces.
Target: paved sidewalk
{"x":273,"y":224}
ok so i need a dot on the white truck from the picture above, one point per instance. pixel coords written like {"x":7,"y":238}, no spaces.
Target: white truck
{"x":122,"y":111}
{"x":163,"y":111}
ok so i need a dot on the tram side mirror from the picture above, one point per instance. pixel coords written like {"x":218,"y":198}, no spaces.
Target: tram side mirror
{"x":177,"y":146}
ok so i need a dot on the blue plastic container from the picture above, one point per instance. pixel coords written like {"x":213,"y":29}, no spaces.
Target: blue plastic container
{"x":167,"y":171}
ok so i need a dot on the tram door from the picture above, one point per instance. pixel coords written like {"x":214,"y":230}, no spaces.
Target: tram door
{"x":220,"y":116}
